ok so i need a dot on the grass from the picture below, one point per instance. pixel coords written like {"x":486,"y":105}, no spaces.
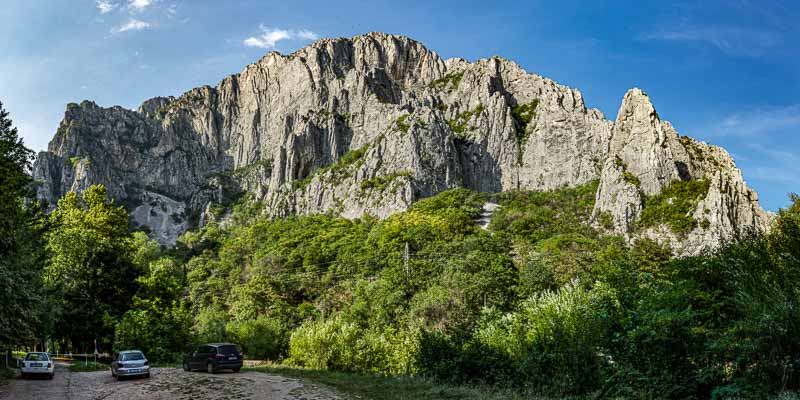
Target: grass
{"x":6,"y":374}
{"x":91,"y":366}
{"x":380,"y":387}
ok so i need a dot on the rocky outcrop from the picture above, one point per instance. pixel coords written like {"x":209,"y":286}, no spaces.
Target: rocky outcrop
{"x":368,"y":125}
{"x":646,"y":156}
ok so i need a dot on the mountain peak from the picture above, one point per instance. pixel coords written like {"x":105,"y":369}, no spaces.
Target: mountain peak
{"x":370,"y":124}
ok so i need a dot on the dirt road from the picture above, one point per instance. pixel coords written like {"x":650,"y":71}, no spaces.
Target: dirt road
{"x":164,"y":384}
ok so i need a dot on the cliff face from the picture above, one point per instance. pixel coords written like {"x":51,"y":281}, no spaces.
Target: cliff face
{"x":373,"y":123}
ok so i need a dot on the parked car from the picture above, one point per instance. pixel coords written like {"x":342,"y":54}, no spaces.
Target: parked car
{"x":213,"y":357}
{"x":130,"y":363}
{"x":38,"y":364}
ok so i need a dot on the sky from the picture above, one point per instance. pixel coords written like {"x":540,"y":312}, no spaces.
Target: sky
{"x":725,"y":72}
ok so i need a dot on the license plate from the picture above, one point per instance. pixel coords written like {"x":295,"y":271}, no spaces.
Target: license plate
{"x":36,"y":365}
{"x":134,"y":370}
{"x":233,"y":358}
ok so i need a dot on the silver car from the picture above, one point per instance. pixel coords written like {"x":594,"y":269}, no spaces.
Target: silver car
{"x":130,"y":363}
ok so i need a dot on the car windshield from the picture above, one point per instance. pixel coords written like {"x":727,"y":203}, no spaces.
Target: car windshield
{"x":228,"y":349}
{"x":37,"y":357}
{"x":132,"y":356}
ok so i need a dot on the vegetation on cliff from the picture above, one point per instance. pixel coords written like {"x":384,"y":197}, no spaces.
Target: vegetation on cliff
{"x":540,"y":303}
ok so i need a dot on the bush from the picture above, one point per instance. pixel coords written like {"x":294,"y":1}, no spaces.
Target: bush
{"x":263,"y":338}
{"x":210,"y":326}
{"x":674,"y":205}
{"x":552,"y":341}
{"x":340,"y":345}
{"x":160,"y":335}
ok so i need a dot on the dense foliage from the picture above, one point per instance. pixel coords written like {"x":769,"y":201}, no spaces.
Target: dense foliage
{"x":540,"y":303}
{"x":22,"y":313}
{"x":91,"y":267}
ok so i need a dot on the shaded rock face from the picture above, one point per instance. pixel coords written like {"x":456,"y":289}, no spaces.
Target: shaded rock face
{"x":370,"y":124}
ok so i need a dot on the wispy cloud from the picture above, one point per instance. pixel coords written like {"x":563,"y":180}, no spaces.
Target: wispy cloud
{"x":139,"y":5}
{"x":764,"y":140}
{"x":105,"y":6}
{"x":759,"y":121}
{"x":132,"y":25}
{"x":735,"y":41}
{"x":774,"y":165}
{"x":271,"y":36}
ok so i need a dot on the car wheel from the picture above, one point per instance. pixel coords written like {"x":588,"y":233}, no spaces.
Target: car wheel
{"x":210,"y":368}
{"x":23,"y":376}
{"x":186,"y":367}
{"x":147,"y":376}
{"x":237,"y":369}
{"x":51,"y":376}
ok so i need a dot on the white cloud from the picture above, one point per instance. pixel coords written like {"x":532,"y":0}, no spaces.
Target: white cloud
{"x":131,"y":25}
{"x":139,"y":5}
{"x":271,"y":36}
{"x":306,"y":34}
{"x":105,"y":6}
{"x":735,"y":41}
{"x":759,"y":121}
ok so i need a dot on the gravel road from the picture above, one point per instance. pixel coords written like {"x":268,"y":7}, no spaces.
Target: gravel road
{"x":164,"y":384}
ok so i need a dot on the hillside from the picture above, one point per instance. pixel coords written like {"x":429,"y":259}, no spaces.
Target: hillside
{"x":371,"y":124}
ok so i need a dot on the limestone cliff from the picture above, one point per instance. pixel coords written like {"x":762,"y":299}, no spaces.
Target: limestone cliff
{"x":372,"y":123}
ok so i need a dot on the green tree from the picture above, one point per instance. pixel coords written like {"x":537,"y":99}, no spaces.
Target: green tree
{"x":20,"y":242}
{"x":91,"y":265}
{"x":159,"y":322}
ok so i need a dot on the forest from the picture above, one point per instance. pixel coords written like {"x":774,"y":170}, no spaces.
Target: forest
{"x":543,"y":301}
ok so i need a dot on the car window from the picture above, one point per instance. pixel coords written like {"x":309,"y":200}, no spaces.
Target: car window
{"x":132,"y":356}
{"x":36,"y":357}
{"x":210,"y":350}
{"x":228,"y":349}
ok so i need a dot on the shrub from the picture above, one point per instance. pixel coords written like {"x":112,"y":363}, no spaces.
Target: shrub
{"x":401,"y":123}
{"x":459,"y":124}
{"x":381,"y":182}
{"x":631,"y":178}
{"x":340,"y":169}
{"x":674,"y":205}
{"x":262,"y":338}
{"x":160,"y":335}
{"x":448,"y":81}
{"x":523,"y":114}
{"x":552,"y":340}
{"x":341,"y":345}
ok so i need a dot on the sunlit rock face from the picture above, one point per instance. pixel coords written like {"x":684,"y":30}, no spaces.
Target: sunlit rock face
{"x":370,"y":124}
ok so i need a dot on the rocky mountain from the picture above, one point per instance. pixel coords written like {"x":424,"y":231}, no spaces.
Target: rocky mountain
{"x":372,"y":123}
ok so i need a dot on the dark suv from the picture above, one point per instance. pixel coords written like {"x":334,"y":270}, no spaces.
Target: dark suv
{"x":213,"y":357}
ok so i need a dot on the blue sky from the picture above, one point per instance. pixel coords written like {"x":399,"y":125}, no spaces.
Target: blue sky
{"x":727,"y":72}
